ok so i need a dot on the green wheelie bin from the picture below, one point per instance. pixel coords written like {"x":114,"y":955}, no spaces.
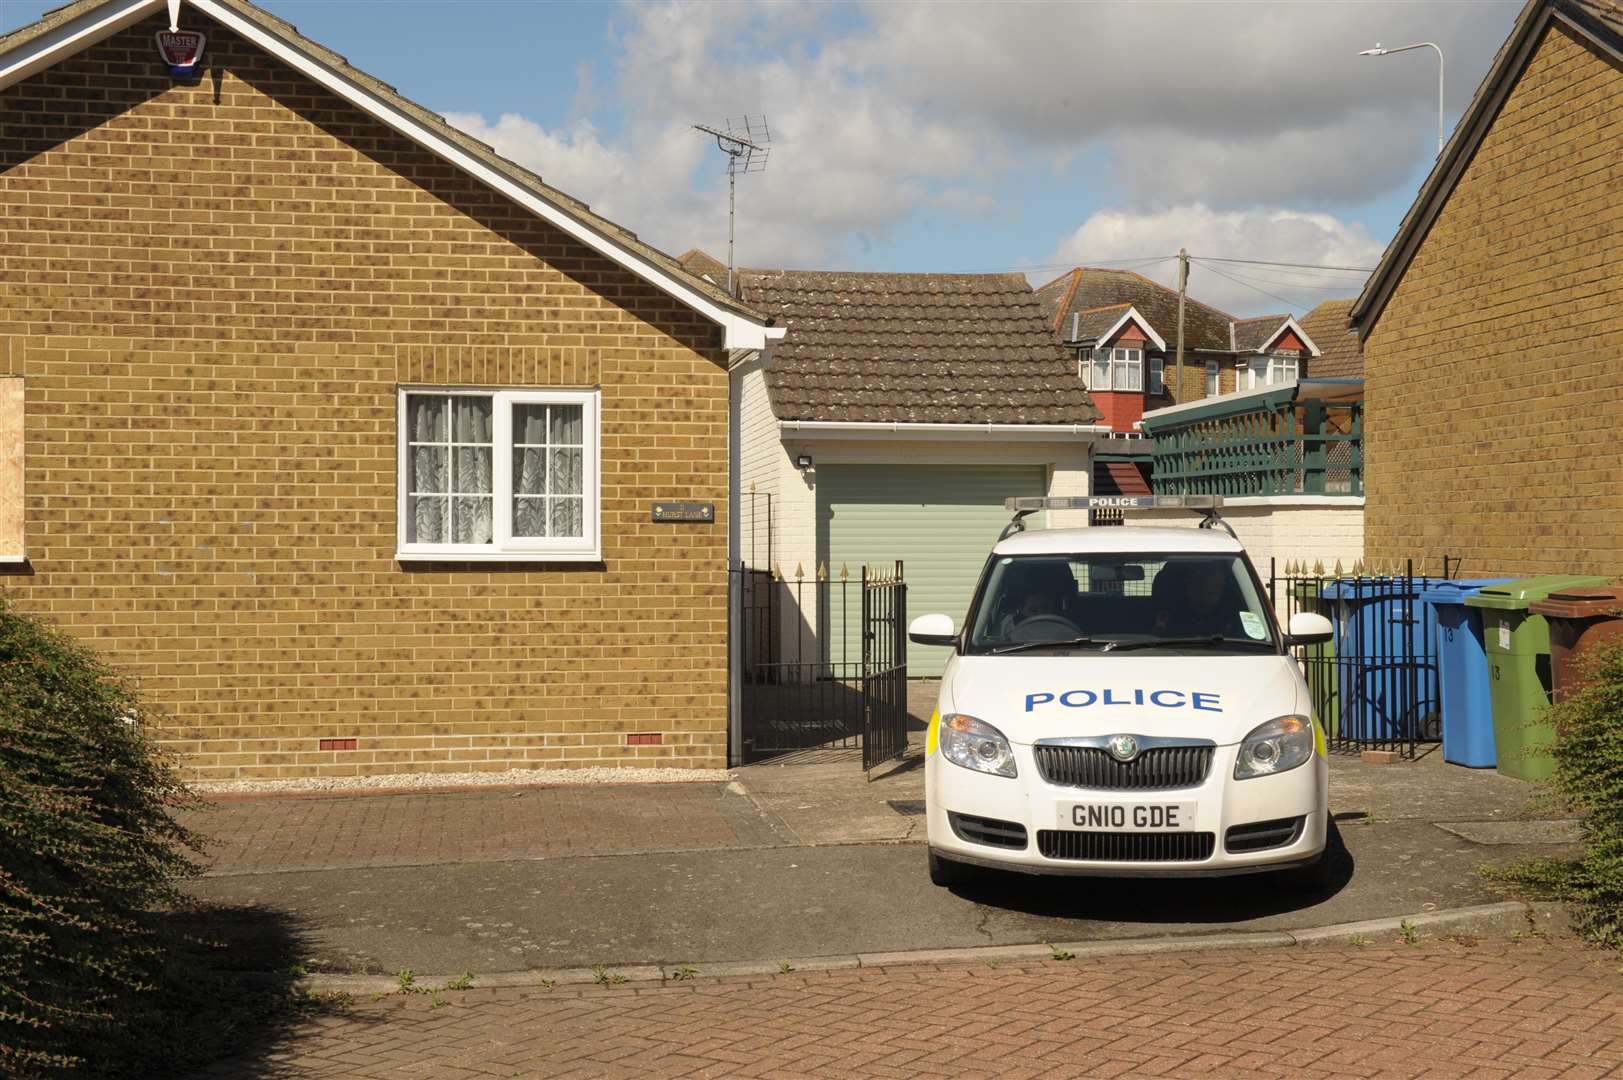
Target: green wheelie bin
{"x":1518,"y":647}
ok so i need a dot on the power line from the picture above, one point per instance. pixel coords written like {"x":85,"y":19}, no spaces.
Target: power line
{"x":1125,"y":264}
{"x":1299,"y":266}
{"x":1248,"y":285}
{"x":1294,"y":282}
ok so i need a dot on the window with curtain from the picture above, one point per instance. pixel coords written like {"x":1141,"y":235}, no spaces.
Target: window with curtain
{"x":1158,"y":384}
{"x":1099,"y":370}
{"x":1127,"y":369}
{"x":508,"y":474}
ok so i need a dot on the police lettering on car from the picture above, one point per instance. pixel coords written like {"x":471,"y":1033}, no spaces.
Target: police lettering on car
{"x":1123,"y":701}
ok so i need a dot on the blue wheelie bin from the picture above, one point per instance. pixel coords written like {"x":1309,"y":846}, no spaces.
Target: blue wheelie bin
{"x":1386,"y":646}
{"x":1462,"y":673}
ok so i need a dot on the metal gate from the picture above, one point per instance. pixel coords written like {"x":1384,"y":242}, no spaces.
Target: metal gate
{"x":1375,"y":684}
{"x":822,"y":662}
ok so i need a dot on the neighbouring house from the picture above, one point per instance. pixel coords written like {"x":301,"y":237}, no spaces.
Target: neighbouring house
{"x":891,"y":422}
{"x":1122,"y":329}
{"x":1492,"y":332}
{"x":1285,"y":456}
{"x":341,"y":434}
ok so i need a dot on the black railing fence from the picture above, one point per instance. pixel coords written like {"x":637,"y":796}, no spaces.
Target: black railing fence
{"x":822,"y":661}
{"x":1375,"y":683}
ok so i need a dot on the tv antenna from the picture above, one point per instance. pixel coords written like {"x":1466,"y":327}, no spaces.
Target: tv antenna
{"x":745,"y":140}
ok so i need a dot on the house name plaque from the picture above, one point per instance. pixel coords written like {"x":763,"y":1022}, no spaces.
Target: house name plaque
{"x":684,"y":511}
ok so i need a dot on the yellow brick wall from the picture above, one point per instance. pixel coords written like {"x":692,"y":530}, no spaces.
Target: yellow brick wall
{"x":212,"y":293}
{"x":1495,"y":376}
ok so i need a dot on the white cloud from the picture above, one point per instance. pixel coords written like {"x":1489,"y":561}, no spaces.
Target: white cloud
{"x":883,"y":110}
{"x":1271,"y":235}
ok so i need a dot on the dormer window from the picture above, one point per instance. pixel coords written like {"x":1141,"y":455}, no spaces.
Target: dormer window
{"x":1272,"y":369}
{"x":1116,"y":369}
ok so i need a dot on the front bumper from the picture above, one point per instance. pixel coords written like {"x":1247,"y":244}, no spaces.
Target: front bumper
{"x":1220,"y":803}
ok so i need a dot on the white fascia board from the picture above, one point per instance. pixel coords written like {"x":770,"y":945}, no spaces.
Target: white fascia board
{"x":740,"y":332}
{"x":1290,"y":323}
{"x":71,"y":37}
{"x":13,"y":560}
{"x":1132,"y":315}
{"x":841,"y":429}
{"x":1233,"y":395}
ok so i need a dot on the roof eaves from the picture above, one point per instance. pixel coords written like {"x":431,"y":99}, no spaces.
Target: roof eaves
{"x":1477,"y":120}
{"x":637,"y":256}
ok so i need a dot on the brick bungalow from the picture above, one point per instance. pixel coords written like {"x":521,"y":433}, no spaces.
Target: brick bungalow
{"x":1492,"y":328}
{"x":340,"y":433}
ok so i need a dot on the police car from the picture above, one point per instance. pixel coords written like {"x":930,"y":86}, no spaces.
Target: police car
{"x":1122,"y":701}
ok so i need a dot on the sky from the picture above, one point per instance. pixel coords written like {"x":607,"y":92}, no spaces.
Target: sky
{"x":933,"y":136}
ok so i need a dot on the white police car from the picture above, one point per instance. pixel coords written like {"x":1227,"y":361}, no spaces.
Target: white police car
{"x":1121,"y":701}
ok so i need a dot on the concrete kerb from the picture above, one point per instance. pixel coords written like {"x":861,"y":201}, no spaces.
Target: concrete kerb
{"x":1485,"y":920}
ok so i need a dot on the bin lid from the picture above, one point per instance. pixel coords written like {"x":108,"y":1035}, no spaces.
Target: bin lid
{"x":1455,"y":592}
{"x":1590,"y":603}
{"x":1516,"y":595}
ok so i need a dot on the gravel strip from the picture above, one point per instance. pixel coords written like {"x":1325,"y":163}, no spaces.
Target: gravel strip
{"x":522,"y":777}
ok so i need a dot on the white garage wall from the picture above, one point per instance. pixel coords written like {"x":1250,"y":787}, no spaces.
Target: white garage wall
{"x":1303,"y":529}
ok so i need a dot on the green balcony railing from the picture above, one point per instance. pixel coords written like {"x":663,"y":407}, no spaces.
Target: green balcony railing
{"x":1268,"y":444}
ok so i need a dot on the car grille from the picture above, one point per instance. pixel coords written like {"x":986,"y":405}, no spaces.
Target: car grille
{"x":1156,"y":769}
{"x":1126,"y":847}
{"x":980,"y":830}
{"x":1262,"y":835}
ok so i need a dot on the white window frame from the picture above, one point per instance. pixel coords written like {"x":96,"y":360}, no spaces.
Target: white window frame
{"x":1099,"y":364}
{"x":1214,"y":378}
{"x":1158,"y":375}
{"x":1283,"y":369}
{"x":1125,"y":362}
{"x":504,"y":547}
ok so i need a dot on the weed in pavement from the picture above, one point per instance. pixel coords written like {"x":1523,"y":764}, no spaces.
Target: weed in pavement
{"x":785,"y":967}
{"x":1411,"y":933}
{"x":683,"y":972}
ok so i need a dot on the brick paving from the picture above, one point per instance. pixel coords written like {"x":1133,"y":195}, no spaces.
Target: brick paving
{"x":1531,"y":1009}
{"x":272,"y":835}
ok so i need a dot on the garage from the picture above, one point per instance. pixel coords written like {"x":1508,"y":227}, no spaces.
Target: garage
{"x":940,"y":520}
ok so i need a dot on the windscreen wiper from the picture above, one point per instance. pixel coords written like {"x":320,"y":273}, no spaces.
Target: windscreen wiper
{"x":1062,"y":644}
{"x":1205,"y":641}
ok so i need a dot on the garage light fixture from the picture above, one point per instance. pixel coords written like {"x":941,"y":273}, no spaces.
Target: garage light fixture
{"x":803,"y":462}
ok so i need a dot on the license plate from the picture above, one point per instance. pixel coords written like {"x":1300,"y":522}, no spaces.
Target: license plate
{"x":1128,"y":817}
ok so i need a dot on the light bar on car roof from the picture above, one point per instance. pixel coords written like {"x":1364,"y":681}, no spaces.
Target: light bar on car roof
{"x":1116,"y":502}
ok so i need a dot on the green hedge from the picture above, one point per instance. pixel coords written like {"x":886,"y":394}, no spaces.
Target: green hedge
{"x":90,"y":853}
{"x":1589,"y":773}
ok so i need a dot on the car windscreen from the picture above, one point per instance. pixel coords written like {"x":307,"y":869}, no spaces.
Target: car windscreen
{"x":1119,"y":601}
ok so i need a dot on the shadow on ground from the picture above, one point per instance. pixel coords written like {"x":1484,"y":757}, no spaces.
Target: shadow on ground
{"x":1166,"y":900}
{"x":205,"y":1007}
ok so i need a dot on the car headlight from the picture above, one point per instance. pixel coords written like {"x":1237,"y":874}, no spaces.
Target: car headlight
{"x":976,"y":745}
{"x":1275,"y":747}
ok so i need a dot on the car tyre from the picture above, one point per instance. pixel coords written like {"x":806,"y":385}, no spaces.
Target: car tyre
{"x":946,"y":872}
{"x":1314,"y":878}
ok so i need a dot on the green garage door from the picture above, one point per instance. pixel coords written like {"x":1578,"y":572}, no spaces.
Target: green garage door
{"x":940,"y":520}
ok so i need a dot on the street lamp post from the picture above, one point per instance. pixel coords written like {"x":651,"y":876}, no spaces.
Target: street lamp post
{"x":1379,"y":51}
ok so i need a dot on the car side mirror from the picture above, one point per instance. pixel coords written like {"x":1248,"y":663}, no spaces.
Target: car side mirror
{"x":1309,"y":628}
{"x":932,"y":630}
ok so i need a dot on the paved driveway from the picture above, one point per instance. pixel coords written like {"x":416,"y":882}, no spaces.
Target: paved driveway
{"x":1445,"y":1009}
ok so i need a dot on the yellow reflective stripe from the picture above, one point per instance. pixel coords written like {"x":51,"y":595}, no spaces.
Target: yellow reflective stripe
{"x":1318,"y":738}
{"x":935,"y":728}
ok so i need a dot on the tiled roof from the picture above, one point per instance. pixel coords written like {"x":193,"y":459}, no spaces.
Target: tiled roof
{"x":1088,"y":288}
{"x":913,"y":348}
{"x":1341,"y":355}
{"x":1252,"y":334}
{"x":1094,"y":324}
